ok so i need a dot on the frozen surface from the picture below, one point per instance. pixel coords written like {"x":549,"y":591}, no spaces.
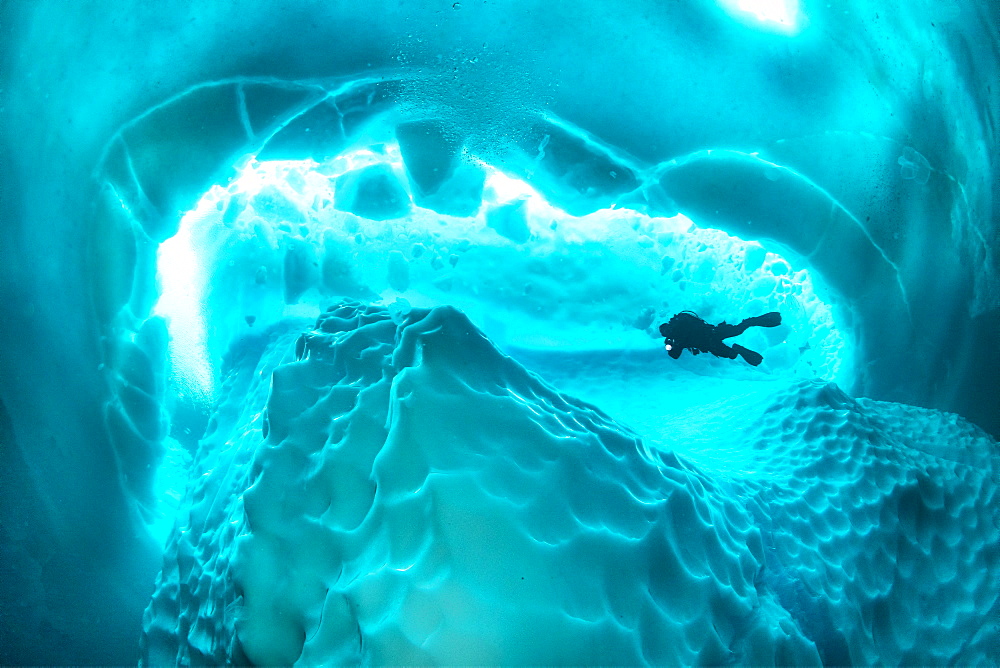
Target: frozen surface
{"x":392,"y":489}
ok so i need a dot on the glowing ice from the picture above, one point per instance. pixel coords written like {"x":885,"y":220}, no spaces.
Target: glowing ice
{"x":182,"y":302}
{"x":594,"y":281}
{"x":783,"y":15}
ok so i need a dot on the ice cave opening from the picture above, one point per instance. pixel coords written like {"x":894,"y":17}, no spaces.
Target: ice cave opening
{"x":340,"y":345}
{"x":576,"y":299}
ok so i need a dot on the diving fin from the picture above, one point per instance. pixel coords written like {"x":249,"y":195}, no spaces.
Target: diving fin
{"x":772,"y":319}
{"x":750,"y":356}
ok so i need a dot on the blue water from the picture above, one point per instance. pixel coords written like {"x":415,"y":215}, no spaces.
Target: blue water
{"x":330,"y":333}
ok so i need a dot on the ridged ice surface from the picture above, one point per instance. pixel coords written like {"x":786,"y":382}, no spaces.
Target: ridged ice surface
{"x":392,"y":489}
{"x":881,"y":525}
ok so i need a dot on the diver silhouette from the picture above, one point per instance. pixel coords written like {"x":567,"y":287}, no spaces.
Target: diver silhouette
{"x":687,"y":330}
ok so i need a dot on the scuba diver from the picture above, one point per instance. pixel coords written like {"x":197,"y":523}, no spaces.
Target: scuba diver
{"x":687,"y":330}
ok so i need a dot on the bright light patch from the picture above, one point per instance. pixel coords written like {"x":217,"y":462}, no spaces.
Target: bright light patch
{"x":506,"y":188}
{"x":781,"y":15}
{"x":781,"y":12}
{"x":181,"y":274}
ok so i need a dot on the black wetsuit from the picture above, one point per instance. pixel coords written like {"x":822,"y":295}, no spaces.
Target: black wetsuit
{"x":687,"y":330}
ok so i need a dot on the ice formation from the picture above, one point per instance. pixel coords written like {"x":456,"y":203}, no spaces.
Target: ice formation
{"x":324,"y":324}
{"x":278,"y":243}
{"x":402,"y":492}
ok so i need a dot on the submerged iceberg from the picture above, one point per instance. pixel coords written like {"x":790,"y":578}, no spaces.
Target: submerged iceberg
{"x":326,"y":324}
{"x":402,"y":492}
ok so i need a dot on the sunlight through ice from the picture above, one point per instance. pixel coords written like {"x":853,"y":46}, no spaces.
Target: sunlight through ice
{"x":181,"y":275}
{"x":782,"y":15}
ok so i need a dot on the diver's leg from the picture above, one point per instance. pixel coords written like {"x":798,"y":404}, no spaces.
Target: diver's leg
{"x":724,"y":330}
{"x":720,"y":349}
{"x":750,"y":356}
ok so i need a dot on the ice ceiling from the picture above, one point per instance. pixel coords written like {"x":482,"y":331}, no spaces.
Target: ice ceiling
{"x":838,"y":157}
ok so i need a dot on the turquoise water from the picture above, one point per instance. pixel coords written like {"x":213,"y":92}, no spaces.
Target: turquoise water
{"x":331,"y":333}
